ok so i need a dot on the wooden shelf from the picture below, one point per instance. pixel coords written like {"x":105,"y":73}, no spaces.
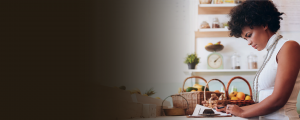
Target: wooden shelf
{"x":224,"y":70}
{"x":213,"y":30}
{"x":235,"y":71}
{"x":215,"y":8}
{"x":212,"y":33}
{"x":217,"y":5}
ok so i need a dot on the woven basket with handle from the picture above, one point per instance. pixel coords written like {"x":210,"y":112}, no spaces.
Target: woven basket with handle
{"x":213,"y":103}
{"x":239,"y":102}
{"x":193,"y":98}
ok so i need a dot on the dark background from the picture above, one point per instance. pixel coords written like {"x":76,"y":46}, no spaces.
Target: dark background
{"x":48,"y":58}
{"x":54,"y":55}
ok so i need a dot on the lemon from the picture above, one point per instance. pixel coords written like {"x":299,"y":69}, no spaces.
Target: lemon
{"x":210,"y":44}
{"x":234,"y":98}
{"x":198,"y":87}
{"x":248,"y":98}
{"x":193,"y":91}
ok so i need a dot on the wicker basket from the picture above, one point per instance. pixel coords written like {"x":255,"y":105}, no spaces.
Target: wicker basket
{"x":214,"y":103}
{"x":240,"y":102}
{"x":193,"y":98}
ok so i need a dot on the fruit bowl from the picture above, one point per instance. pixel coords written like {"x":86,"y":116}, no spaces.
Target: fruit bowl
{"x":214,"y":48}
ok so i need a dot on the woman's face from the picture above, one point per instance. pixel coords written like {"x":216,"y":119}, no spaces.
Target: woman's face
{"x":257,"y":37}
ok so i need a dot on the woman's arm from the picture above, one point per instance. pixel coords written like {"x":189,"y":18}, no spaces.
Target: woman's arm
{"x":247,"y":107}
{"x":242,"y":108}
{"x":288,"y":60}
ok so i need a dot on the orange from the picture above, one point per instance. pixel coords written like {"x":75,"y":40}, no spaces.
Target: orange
{"x":240,"y":96}
{"x":217,"y":91}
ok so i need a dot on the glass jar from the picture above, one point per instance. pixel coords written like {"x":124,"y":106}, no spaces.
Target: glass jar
{"x":238,"y":1}
{"x":252,"y":61}
{"x":222,"y":89}
{"x":215,"y":23}
{"x":233,"y":88}
{"x":235,"y":61}
{"x":205,"y":1}
{"x":229,"y":1}
{"x":204,"y":25}
{"x":218,"y":1}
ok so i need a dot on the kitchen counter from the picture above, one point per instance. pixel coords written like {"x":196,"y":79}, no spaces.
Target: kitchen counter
{"x":185,"y":118}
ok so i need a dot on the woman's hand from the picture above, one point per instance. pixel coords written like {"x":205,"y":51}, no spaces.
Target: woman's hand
{"x":235,"y":110}
{"x":222,"y":109}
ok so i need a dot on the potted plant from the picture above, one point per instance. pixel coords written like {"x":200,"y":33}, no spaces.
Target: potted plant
{"x":192,"y":60}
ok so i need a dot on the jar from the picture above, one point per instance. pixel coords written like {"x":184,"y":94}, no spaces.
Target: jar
{"x":215,"y":23}
{"x":238,"y":1}
{"x":225,"y":25}
{"x":233,"y":88}
{"x":229,"y":1}
{"x":252,"y":61}
{"x":218,"y":1}
{"x":204,"y":25}
{"x":235,"y":61}
{"x":205,"y":1}
{"x":222,"y":89}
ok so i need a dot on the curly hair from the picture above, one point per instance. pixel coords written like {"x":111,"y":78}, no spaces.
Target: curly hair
{"x":253,"y":13}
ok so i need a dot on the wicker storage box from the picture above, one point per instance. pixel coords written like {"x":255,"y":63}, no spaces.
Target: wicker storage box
{"x":193,"y":98}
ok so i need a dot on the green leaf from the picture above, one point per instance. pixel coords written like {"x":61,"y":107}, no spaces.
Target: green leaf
{"x":192,"y":58}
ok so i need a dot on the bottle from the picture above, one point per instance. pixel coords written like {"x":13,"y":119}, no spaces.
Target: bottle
{"x":235,"y":61}
{"x":215,"y":23}
{"x":252,"y":61}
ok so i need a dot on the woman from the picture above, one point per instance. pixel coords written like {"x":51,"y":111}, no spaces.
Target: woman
{"x":277,"y":81}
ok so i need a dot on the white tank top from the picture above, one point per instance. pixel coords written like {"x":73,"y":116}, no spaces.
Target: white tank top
{"x":266,"y":82}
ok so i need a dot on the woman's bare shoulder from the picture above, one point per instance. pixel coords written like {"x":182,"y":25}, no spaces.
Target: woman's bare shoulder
{"x":290,"y":47}
{"x":290,"y":52}
{"x":292,"y":44}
